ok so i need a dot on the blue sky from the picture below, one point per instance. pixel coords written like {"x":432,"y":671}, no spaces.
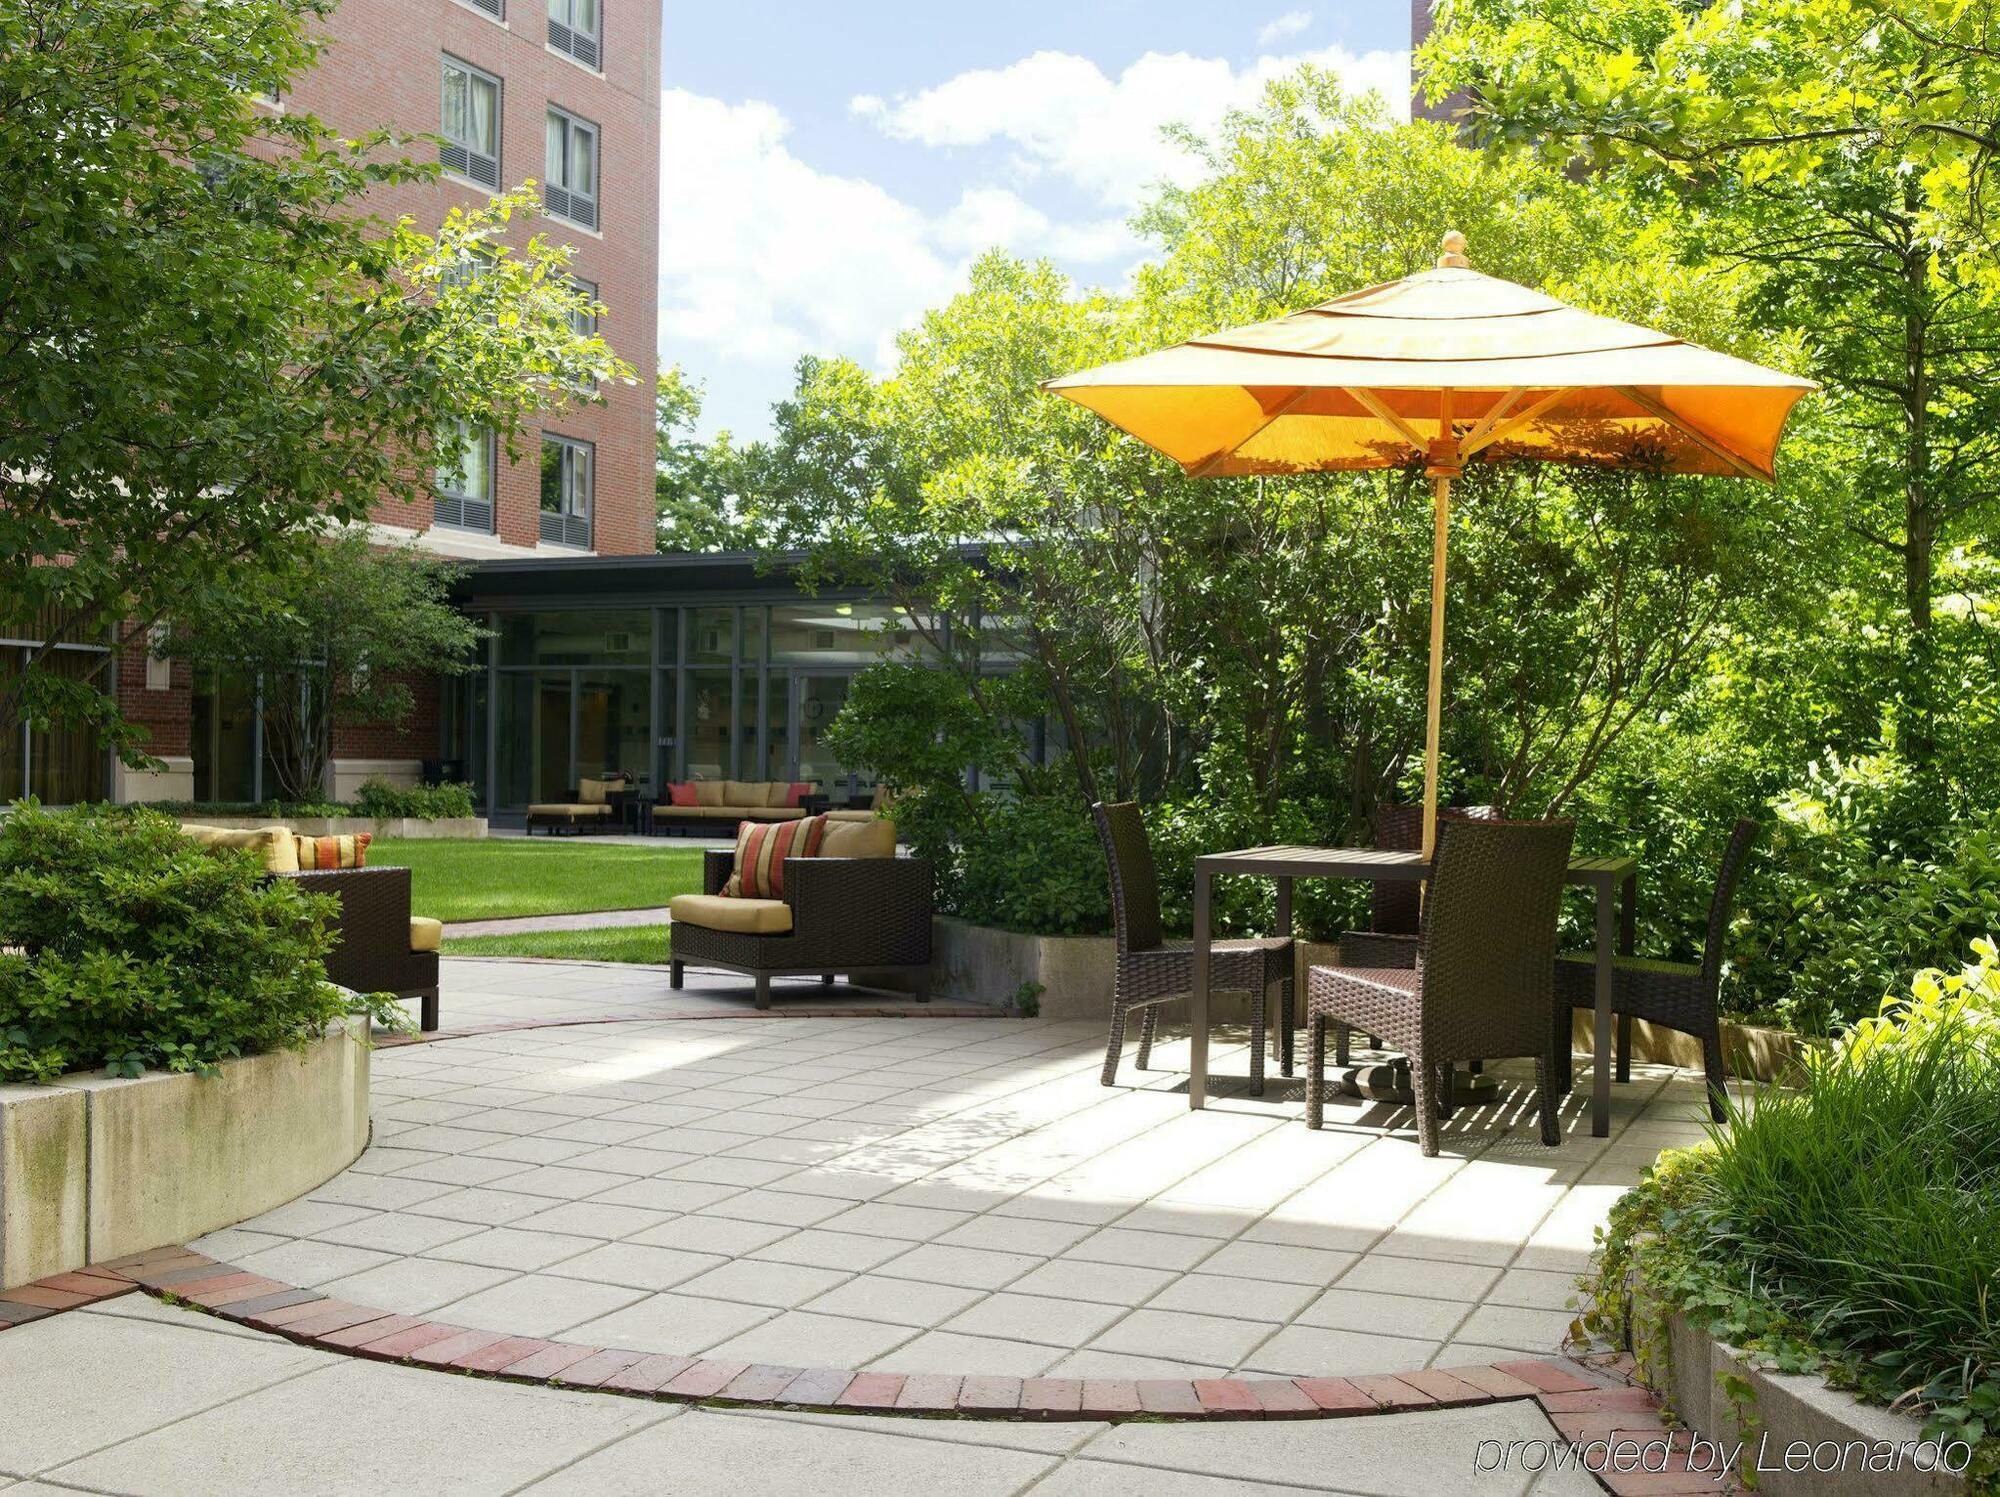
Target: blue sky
{"x":829,"y":169}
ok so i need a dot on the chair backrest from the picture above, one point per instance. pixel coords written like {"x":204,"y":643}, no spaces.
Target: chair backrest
{"x":1726,"y":879}
{"x":1488,"y":948}
{"x":1395,"y":906}
{"x":1135,"y":886}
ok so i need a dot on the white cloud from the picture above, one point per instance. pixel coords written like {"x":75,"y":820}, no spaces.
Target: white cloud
{"x":1064,"y":117}
{"x":1291,"y":23}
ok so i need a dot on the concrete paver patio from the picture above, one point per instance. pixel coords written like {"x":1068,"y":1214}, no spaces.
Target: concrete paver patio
{"x":925,"y":1195}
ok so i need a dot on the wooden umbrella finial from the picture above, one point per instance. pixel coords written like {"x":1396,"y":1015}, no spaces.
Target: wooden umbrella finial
{"x":1452,"y":252}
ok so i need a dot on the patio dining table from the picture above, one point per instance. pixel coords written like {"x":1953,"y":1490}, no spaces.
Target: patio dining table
{"x":1608,"y":877}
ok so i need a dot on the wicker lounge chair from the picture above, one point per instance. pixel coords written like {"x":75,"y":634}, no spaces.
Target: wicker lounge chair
{"x":858,"y":915}
{"x":378,"y":946}
{"x":1478,"y":988}
{"x":1674,"y":995}
{"x":1152,"y":970}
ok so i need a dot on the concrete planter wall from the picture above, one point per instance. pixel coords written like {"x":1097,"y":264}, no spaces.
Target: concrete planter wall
{"x":450,"y":827}
{"x":95,"y":1167}
{"x":1750,"y":1053}
{"x":981,"y":964}
{"x":1784,"y":1412}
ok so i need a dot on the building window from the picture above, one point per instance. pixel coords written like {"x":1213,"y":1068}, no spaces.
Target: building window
{"x":494,"y":8}
{"x":464,"y":481}
{"x":583,"y":320}
{"x":567,"y":480}
{"x":574,"y":31}
{"x":571,"y":191}
{"x":469,"y":121}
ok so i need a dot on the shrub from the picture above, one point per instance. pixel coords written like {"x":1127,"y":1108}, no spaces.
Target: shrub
{"x":1850,"y":1228}
{"x":128,"y":946}
{"x":378,"y":797}
{"x":1033,"y":863}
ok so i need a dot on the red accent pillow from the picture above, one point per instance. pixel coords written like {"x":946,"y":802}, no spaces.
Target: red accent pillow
{"x":680,"y":793}
{"x":761,"y":850}
{"x":796,"y":796}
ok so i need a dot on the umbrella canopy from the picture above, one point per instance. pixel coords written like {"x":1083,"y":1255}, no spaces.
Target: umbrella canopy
{"x":1448,"y":364}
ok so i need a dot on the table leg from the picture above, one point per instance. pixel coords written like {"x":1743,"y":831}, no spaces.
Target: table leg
{"x":1286,"y":1017}
{"x":1600,"y":1086}
{"x":1198,"y":998}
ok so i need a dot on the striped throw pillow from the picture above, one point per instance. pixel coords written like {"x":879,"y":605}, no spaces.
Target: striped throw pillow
{"x":320,"y":853}
{"x":761,"y":850}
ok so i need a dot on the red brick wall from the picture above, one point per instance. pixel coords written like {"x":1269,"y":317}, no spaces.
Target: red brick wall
{"x":163,"y":714}
{"x":382,"y":68}
{"x":416,"y":737}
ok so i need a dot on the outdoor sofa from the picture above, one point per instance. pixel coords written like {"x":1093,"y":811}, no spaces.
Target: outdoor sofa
{"x":716,"y":806}
{"x":856,"y":909}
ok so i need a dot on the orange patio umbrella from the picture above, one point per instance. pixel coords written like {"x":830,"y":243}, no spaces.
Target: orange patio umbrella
{"x":1451,"y":365}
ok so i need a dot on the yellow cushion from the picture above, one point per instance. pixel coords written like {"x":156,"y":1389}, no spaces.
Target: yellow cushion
{"x":874,"y":838}
{"x":750,"y":917}
{"x":568,"y":808}
{"x":767,"y":813}
{"x":708,"y":792}
{"x":318,"y":853}
{"x":591,"y":792}
{"x":426,"y":934}
{"x":272,"y":843}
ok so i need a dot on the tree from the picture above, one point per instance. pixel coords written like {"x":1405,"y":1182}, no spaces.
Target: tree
{"x":208,"y":353}
{"x":693,"y":480}
{"x":336,"y":634}
{"x":1837,"y":153}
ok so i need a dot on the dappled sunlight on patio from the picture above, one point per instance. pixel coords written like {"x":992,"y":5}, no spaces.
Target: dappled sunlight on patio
{"x":945,"y":1195}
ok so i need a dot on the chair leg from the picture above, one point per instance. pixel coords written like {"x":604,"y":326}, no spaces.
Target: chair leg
{"x":1718,"y":1080}
{"x":763,"y":990}
{"x":1475,"y":1067}
{"x":1427,"y":1118}
{"x":1551,"y":1128}
{"x":1624,"y":1047}
{"x":1285,"y":1040}
{"x":1114,"y":1045}
{"x":1149,"y":1026}
{"x":1258,"y":1025}
{"x":1316,"y":1069}
{"x":1342,"y":1043}
{"x":826,"y":979}
{"x":923,"y":987}
{"x":1559,"y":1043}
{"x":674,"y":975}
{"x":1447,"y":1090}
{"x":427,"y":1017}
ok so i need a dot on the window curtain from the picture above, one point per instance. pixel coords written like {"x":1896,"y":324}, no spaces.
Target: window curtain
{"x":482,"y":101}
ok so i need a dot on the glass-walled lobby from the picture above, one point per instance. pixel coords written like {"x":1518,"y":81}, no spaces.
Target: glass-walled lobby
{"x":665,"y":691}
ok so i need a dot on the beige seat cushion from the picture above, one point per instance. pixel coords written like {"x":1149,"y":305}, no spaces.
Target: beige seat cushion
{"x":273,"y":844}
{"x":708,"y":792}
{"x":572,"y":809}
{"x":426,"y":934}
{"x":873,"y":838}
{"x":768,"y":813}
{"x":750,"y":917}
{"x":833,"y":816}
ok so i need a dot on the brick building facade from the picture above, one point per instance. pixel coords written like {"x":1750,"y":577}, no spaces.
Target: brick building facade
{"x":563,"y":93}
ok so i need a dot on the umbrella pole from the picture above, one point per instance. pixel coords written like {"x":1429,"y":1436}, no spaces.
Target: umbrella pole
{"x":1440,"y":535}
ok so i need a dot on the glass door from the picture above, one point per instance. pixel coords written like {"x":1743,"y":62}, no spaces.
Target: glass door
{"x":816,"y":700}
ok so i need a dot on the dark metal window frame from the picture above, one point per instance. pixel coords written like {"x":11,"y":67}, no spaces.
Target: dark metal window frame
{"x":463,"y":157}
{"x":458,"y":510}
{"x":562,"y":200}
{"x":564,"y":526}
{"x":577,"y":45}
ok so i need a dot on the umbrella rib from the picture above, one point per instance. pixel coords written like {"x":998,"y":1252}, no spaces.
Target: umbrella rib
{"x":1382,"y":413}
{"x":1694,"y":434}
{"x":1507,"y":428}
{"x":1208,"y":468}
{"x":1471,"y":440}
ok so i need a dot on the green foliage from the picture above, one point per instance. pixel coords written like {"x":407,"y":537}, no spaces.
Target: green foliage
{"x":213,"y":354}
{"x":1851,"y":1228}
{"x":1033,"y":863}
{"x":125,"y":945}
{"x":418,"y":802}
{"x":693,"y":480}
{"x":362,"y":619}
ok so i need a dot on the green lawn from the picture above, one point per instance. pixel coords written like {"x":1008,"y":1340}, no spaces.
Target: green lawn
{"x":497,"y":877}
{"x":618,"y":943}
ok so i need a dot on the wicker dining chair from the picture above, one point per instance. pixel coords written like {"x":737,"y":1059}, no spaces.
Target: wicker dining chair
{"x":1153,"y":970}
{"x":1484,"y":977}
{"x":1673,"y":995}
